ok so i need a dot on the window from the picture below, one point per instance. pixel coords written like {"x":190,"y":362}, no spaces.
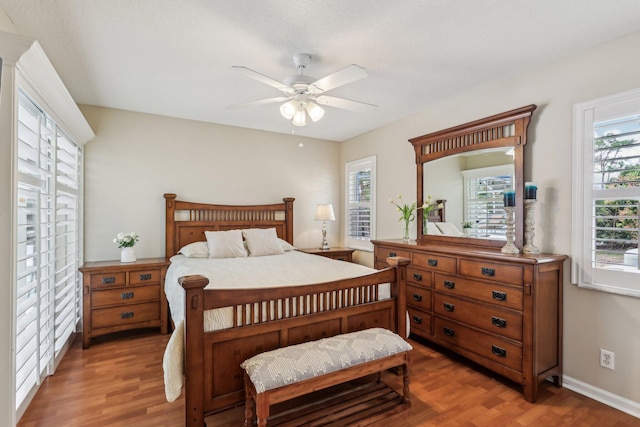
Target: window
{"x":606,"y":194}
{"x":483,"y":200}
{"x":360,"y":177}
{"x":47,"y":284}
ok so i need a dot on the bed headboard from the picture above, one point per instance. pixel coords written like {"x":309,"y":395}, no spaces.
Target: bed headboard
{"x":437,"y":214}
{"x":186,"y":222}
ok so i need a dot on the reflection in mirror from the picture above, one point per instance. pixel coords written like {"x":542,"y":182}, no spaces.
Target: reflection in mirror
{"x":473,"y":184}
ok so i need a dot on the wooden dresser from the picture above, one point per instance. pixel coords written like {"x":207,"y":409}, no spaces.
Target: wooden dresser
{"x":121,"y":296}
{"x":503,"y":312}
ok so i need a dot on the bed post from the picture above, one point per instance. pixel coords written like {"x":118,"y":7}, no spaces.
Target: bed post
{"x":288,"y":201}
{"x":170,"y":219}
{"x":399,"y":292}
{"x":194,"y":349}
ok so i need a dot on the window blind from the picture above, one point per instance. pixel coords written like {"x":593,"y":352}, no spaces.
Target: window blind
{"x":483,"y":200}
{"x":360,"y":193}
{"x":48,"y":240}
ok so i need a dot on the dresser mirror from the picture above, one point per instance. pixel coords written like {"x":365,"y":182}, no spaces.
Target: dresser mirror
{"x":470,"y":166}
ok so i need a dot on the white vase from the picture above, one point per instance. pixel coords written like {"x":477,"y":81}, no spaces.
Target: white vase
{"x":127,"y":255}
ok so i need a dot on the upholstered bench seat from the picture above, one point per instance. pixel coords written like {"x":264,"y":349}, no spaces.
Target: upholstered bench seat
{"x":292,"y":371}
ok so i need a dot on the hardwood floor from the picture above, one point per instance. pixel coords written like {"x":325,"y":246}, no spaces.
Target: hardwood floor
{"x":118,"y":382}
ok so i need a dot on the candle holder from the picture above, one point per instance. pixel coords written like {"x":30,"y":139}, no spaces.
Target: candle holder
{"x":529,"y":225}
{"x":510,"y":248}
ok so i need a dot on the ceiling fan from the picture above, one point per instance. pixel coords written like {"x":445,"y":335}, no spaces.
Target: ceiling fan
{"x":304,"y":94}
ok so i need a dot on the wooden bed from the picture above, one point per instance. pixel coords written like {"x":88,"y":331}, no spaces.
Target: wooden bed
{"x":214,"y":379}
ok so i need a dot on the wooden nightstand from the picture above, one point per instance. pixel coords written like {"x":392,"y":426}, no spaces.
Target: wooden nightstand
{"x":342,"y":254}
{"x":121,"y":296}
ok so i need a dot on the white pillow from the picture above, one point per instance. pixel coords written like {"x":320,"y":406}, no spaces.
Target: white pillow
{"x":286,"y":246}
{"x":195,"y":250}
{"x":225,"y":244}
{"x":262,"y":241}
{"x":432,"y":229}
{"x":448,"y":229}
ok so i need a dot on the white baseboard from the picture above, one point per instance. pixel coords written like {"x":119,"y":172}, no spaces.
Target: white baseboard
{"x":621,"y":403}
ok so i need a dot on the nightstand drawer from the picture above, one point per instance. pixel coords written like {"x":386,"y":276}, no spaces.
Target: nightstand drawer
{"x":144,"y":276}
{"x":128,"y":295}
{"x":108,"y":280}
{"x":123,"y":315}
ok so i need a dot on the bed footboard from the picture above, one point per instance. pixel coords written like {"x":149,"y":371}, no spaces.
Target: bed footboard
{"x":265,"y":319}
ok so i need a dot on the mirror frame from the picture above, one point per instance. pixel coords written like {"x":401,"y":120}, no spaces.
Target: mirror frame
{"x":508,"y":129}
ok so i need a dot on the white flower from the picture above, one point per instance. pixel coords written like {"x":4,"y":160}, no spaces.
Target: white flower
{"x":126,"y":240}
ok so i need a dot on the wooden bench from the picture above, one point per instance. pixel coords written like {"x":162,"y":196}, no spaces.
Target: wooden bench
{"x":289,"y":372}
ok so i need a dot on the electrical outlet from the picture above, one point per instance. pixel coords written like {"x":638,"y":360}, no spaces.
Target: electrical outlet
{"x":607,"y":359}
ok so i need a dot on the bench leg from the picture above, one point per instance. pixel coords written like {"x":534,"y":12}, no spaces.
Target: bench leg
{"x":405,"y":382}
{"x":248,"y":404}
{"x":262,"y":409}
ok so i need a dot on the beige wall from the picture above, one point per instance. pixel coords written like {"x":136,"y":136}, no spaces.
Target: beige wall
{"x":135,"y":158}
{"x":592,"y":319}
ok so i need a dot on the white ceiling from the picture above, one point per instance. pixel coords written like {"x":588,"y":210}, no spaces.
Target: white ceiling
{"x":175,"y":57}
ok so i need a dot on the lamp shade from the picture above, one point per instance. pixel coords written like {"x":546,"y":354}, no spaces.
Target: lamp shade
{"x":324,"y":213}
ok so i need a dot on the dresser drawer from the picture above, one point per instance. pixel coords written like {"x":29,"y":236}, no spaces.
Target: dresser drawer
{"x":109,"y":280}
{"x":485,"y":345}
{"x":419,"y":297}
{"x":494,"y":293}
{"x":434,"y":262}
{"x":492,"y":271}
{"x":139,"y":277}
{"x":419,"y":322}
{"x":419,"y":277}
{"x":491,"y":319}
{"x":124,"y":315}
{"x":383,"y":252}
{"x":128,"y":295}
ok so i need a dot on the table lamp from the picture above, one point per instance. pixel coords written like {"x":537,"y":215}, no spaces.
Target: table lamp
{"x":324,"y":213}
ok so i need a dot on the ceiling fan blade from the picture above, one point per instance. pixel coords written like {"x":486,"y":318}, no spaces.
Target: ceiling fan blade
{"x":260,"y":102}
{"x":263,"y":79}
{"x":345,"y":104}
{"x":348,"y":74}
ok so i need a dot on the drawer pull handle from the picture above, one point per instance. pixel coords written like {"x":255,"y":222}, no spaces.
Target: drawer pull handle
{"x":392,"y":254}
{"x":498,"y":351}
{"x":108,"y":280}
{"x":433,"y":262}
{"x":417,"y":297}
{"x":500,"y":296}
{"x":126,"y":315}
{"x":500,"y":323}
{"x":146,"y":276}
{"x":126,"y":295}
{"x":449,"y":284}
{"x":488,"y":271}
{"x":449,"y":307}
{"x":417,"y":276}
{"x":417,"y":319}
{"x":449,"y":332}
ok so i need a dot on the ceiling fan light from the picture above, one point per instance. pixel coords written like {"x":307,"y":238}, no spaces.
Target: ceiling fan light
{"x":315,"y":111}
{"x":300,"y":117}
{"x":288,"y":109}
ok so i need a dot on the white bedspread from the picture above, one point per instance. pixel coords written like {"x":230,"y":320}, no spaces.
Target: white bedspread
{"x":292,"y":268}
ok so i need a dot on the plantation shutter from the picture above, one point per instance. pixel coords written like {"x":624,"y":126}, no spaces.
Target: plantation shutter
{"x":48,"y":240}
{"x":484,"y":205}
{"x":607,"y":194}
{"x":360,"y":193}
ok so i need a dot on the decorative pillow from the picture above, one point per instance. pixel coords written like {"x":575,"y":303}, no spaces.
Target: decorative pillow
{"x":262,"y":241}
{"x":225,"y":244}
{"x":195,"y":250}
{"x":432,"y":229}
{"x":286,"y":246}
{"x":449,"y":229}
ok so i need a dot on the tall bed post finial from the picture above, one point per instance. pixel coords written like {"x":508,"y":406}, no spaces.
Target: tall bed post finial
{"x":170,"y":224}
